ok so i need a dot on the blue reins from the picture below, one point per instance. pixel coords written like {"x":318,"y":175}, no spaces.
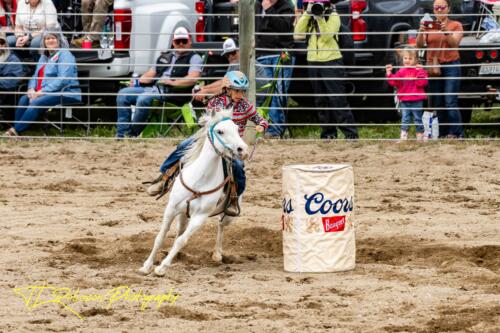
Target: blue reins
{"x":217,"y":136}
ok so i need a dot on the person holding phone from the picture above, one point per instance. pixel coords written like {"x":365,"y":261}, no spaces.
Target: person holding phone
{"x":442,"y":41}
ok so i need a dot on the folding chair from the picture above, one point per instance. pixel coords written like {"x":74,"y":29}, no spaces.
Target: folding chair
{"x":68,"y":109}
{"x":175,"y":114}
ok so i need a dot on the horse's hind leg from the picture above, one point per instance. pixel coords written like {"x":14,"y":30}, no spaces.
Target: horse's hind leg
{"x":168,"y":217}
{"x":194,"y":224}
{"x":181,"y":224}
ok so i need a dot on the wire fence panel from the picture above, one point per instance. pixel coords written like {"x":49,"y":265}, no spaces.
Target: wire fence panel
{"x":310,"y":85}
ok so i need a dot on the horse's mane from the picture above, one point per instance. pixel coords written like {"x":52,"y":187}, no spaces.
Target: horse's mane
{"x":206,"y":120}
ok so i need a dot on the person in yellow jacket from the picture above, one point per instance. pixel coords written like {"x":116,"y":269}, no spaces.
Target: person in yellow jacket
{"x":321,"y":25}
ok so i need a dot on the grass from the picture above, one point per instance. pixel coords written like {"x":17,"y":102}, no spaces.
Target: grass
{"x":311,"y":132}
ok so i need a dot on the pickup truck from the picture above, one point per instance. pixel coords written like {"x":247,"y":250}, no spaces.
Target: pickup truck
{"x":142,"y":28}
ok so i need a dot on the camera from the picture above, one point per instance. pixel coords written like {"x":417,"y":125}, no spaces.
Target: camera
{"x":429,"y":22}
{"x":432,"y":24}
{"x":318,"y":7}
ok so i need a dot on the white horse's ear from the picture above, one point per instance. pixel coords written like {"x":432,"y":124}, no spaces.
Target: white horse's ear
{"x":204,"y":119}
{"x":211,"y":112}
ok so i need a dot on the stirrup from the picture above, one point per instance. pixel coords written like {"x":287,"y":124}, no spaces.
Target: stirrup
{"x":168,"y":178}
{"x":233,"y":206}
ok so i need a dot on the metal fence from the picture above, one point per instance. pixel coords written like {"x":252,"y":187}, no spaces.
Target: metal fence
{"x":111,"y":67}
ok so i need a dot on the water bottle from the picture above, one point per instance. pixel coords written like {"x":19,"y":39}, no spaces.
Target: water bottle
{"x":431,"y":125}
{"x":134,"y":82}
{"x":104,"y":36}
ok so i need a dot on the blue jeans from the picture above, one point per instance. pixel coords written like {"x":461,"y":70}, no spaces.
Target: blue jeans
{"x":276,"y":113}
{"x":450,"y":102}
{"x":409,"y":109}
{"x":180,"y":150}
{"x":143,"y":99}
{"x":29,"y":110}
{"x":35,"y":43}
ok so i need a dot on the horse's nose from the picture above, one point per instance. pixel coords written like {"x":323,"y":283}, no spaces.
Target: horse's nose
{"x":242,"y":152}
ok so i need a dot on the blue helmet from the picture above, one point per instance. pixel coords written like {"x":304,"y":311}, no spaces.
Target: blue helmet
{"x":236,"y":80}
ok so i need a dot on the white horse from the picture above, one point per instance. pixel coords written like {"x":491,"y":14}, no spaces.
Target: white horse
{"x":202,"y":172}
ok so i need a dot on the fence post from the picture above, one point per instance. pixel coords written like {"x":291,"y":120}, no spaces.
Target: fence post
{"x":247,"y":43}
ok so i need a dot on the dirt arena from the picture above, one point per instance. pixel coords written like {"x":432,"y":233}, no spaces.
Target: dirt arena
{"x":75,"y":215}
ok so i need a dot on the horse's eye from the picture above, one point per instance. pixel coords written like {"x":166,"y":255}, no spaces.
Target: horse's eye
{"x":220,"y":132}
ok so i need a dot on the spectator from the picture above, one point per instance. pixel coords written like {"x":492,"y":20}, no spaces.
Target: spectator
{"x":273,"y":26}
{"x":10,"y":66}
{"x":446,"y":38}
{"x":231,"y":51}
{"x":32,"y":18}
{"x":92,"y":23}
{"x":410,"y":82}
{"x":233,"y":96}
{"x":325,"y":66}
{"x":171,"y":72}
{"x":55,"y":80}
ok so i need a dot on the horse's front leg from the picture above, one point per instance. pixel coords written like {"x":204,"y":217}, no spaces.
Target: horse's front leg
{"x":194,"y":224}
{"x":224,"y":222}
{"x":168,"y":217}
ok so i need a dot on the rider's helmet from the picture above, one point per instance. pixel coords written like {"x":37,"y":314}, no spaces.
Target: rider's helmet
{"x":236,"y":80}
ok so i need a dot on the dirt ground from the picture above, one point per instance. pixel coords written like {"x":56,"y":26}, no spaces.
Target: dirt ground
{"x":75,"y":215}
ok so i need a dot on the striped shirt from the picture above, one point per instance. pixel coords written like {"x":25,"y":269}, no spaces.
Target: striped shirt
{"x":242,"y":111}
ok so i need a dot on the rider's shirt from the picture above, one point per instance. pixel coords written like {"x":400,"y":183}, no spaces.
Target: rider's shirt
{"x":242,"y":111}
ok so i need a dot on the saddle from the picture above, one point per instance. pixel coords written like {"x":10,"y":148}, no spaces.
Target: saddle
{"x":228,"y":203}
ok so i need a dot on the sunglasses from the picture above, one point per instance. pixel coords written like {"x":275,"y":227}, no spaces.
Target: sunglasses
{"x":181,"y":41}
{"x":232,"y":53}
{"x":440,"y":7}
{"x":2,"y":42}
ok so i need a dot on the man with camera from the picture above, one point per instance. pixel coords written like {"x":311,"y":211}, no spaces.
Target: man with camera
{"x":320,"y":22}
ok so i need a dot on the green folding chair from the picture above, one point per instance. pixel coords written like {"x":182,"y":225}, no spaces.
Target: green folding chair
{"x":163,"y":120}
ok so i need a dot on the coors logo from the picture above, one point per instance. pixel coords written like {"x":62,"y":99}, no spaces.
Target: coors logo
{"x":333,"y":223}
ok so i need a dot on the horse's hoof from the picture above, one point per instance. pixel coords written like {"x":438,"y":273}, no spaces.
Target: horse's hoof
{"x":160,"y":271}
{"x":145,"y":270}
{"x":217,"y":257}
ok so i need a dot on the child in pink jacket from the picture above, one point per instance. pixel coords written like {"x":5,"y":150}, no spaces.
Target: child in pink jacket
{"x":410,"y":82}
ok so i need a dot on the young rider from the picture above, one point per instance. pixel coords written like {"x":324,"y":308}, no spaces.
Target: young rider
{"x":235,"y":85}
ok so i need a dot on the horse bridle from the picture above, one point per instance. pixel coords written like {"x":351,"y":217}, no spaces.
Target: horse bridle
{"x":211,"y":136}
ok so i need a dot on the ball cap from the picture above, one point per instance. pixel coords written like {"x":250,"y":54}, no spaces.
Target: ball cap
{"x":181,"y":33}
{"x":229,"y":46}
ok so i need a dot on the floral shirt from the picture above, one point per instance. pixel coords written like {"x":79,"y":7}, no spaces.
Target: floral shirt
{"x":242,"y":111}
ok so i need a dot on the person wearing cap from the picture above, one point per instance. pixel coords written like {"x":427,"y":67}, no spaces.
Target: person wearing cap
{"x":175,"y":72}
{"x":234,"y":87}
{"x":32,"y":18}
{"x":10,"y":66}
{"x":93,"y":19}
{"x":273,"y":34}
{"x":55,"y":80}
{"x":231,"y":51}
